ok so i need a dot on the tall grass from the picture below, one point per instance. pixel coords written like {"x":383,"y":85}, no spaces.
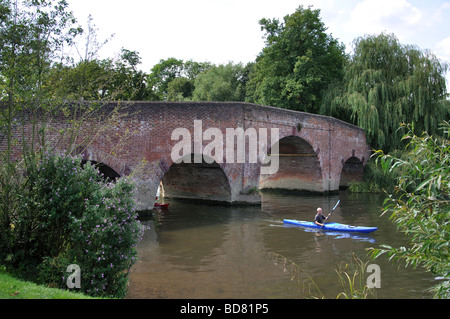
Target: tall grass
{"x":351,"y":276}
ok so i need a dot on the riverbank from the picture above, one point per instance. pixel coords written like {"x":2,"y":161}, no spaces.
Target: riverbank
{"x":13,"y":288}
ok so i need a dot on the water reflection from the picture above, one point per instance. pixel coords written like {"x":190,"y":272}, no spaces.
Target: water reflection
{"x":201,"y":251}
{"x":336,"y":235}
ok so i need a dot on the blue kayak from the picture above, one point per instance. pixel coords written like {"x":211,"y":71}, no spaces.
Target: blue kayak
{"x":331,"y":226}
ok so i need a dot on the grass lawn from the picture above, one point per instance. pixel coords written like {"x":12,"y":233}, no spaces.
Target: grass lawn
{"x":13,"y":288}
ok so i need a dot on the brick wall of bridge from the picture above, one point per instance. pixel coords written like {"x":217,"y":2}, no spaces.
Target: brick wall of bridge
{"x":146,"y":129}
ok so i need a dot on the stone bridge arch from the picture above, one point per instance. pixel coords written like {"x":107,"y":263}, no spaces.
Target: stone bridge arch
{"x":352,"y":171}
{"x":147,"y":127}
{"x":204,"y":181}
{"x":109,"y":167}
{"x":297,"y":157}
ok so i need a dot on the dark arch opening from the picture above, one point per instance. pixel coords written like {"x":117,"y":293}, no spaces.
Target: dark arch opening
{"x":107,"y":173}
{"x":299,"y":167}
{"x":197,"y":182}
{"x":352,"y":171}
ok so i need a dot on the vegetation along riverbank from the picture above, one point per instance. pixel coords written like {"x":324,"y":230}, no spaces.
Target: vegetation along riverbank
{"x":58,"y":210}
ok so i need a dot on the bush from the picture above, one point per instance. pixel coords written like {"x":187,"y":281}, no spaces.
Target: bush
{"x":420,"y":204}
{"x":375,"y":180}
{"x":69,"y":215}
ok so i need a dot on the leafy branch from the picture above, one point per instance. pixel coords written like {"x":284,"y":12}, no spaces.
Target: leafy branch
{"x":420,"y":204}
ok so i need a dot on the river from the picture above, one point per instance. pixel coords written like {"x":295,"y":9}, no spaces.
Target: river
{"x":195,"y":251}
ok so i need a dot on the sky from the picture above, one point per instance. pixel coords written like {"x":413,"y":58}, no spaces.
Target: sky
{"x":222,"y":31}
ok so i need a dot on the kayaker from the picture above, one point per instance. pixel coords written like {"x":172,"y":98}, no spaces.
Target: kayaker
{"x":319,"y":219}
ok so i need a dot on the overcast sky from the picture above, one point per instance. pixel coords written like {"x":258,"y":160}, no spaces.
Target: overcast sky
{"x":220,"y":31}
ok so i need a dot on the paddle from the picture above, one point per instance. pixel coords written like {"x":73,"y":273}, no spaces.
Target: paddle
{"x":331,"y":212}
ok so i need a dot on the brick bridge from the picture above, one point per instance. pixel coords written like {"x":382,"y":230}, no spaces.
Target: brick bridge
{"x":316,"y":153}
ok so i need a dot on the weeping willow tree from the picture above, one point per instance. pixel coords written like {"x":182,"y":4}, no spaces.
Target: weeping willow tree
{"x":386,"y":84}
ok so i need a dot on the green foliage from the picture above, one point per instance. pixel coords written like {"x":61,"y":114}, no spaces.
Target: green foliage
{"x":53,"y":211}
{"x":221,"y":83}
{"x":175,"y":80}
{"x":299,"y":62}
{"x":106,"y":237}
{"x":162,"y":74}
{"x":386,"y":84}
{"x":98,"y":79}
{"x":87,"y":80}
{"x":68,"y":215}
{"x":183,"y":73}
{"x":420,"y":205}
{"x":297,"y":273}
{"x":31,"y":33}
{"x":127,"y":82}
{"x":375,"y":179}
{"x":180,"y":89}
{"x":352,"y":277}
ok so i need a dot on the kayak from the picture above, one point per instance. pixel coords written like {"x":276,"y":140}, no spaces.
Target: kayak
{"x":331,"y":226}
{"x":160,"y":205}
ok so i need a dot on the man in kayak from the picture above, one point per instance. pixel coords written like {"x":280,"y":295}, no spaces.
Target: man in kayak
{"x":320,"y":219}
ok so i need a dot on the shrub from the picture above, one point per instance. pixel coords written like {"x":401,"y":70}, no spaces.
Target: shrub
{"x":420,"y":204}
{"x":375,"y":180}
{"x":69,"y":215}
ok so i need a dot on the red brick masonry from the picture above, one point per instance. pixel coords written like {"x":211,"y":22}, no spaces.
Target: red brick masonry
{"x":316,"y":153}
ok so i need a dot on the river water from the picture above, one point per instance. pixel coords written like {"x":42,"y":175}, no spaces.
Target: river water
{"x":201,"y":251}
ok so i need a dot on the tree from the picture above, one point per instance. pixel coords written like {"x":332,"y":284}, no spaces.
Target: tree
{"x":38,"y":190}
{"x":161,"y":75}
{"x":99,"y":79}
{"x":128,"y":83}
{"x":31,"y":35}
{"x":182,"y":73}
{"x":220,"y":83}
{"x":387,"y":83}
{"x":90,"y":46}
{"x":180,"y":89}
{"x":420,"y":205}
{"x":297,"y":64}
{"x":88,"y":80}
